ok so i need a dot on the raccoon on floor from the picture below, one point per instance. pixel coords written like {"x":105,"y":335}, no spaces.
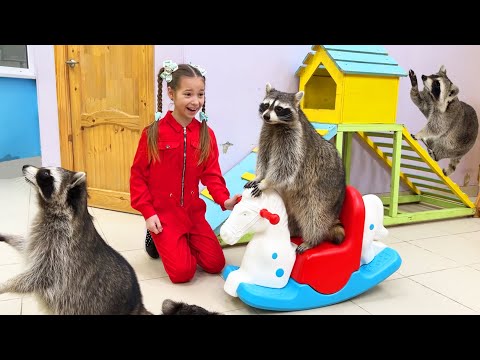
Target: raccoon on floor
{"x":452,"y":125}
{"x":70,"y":269}
{"x":170,"y":307}
{"x":303,"y":167}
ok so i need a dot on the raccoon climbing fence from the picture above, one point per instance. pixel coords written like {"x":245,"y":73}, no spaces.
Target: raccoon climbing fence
{"x":436,"y":195}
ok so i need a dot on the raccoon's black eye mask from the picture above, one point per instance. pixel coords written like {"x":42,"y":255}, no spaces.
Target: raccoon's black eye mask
{"x":283,"y":113}
{"x":44,"y":174}
{"x":45,"y":183}
{"x":436,"y":89}
{"x":263,"y":107}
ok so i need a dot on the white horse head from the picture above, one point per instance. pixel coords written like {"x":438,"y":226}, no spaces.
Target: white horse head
{"x":269,"y":257}
{"x":254,"y":215}
{"x":373,"y":228}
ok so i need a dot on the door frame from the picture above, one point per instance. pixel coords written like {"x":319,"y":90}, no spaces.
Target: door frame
{"x":63,"y":106}
{"x":63,"y":100}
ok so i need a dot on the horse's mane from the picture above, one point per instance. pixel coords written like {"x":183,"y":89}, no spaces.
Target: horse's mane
{"x":271,"y":200}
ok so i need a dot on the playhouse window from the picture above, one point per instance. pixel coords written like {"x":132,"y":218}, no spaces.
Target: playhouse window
{"x":17,"y":61}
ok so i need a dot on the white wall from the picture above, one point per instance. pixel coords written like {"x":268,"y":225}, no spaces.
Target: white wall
{"x":47,"y":105}
{"x":236,"y":78}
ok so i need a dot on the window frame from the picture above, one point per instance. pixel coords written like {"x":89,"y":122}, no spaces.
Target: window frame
{"x":22,"y":73}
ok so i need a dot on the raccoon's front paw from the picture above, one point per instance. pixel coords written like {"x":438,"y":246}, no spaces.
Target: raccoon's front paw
{"x":302,"y":248}
{"x":256,"y":191}
{"x":432,"y":154}
{"x":250,"y":184}
{"x":414,"y":137}
{"x":413,"y":78}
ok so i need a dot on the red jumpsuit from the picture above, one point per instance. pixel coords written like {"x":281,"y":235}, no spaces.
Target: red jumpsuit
{"x":169,"y":188}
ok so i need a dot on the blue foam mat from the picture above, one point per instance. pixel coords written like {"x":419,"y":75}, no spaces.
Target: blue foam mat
{"x":214,"y":214}
{"x":332,"y":129}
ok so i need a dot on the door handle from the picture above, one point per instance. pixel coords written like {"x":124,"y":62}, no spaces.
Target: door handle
{"x":71,"y":63}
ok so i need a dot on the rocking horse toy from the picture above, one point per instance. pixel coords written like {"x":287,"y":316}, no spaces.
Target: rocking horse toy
{"x":272,"y":276}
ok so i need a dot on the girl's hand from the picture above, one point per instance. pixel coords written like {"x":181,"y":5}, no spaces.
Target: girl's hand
{"x":154,"y":225}
{"x":230,"y":203}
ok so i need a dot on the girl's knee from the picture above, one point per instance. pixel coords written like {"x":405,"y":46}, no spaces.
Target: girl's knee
{"x":182,"y":276}
{"x":215,"y":267}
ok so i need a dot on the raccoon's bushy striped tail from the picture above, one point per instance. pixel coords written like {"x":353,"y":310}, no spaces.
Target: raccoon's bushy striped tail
{"x":337,"y":233}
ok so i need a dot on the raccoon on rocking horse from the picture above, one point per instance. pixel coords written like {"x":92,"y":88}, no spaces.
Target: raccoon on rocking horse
{"x":273,"y":276}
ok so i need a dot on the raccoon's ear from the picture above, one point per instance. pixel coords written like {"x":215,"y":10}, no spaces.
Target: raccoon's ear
{"x":268,"y":88}
{"x":442,"y":70}
{"x":454,"y":90}
{"x":298,"y":97}
{"x":78,"y":178}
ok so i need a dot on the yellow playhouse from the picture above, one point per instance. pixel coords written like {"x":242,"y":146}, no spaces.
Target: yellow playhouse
{"x":350,"y":84}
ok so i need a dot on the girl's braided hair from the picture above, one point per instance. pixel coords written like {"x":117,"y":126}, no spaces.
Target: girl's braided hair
{"x":152,"y":129}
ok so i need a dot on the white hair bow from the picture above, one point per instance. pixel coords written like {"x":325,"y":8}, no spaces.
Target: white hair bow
{"x":168,"y":68}
{"x":202,"y":70}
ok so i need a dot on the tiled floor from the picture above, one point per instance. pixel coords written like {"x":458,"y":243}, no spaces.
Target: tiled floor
{"x":440,"y":271}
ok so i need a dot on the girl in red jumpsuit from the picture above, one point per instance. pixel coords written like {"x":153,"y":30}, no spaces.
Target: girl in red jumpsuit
{"x":173,"y":155}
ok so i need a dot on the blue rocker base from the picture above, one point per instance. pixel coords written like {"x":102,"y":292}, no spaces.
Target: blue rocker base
{"x":295,"y":296}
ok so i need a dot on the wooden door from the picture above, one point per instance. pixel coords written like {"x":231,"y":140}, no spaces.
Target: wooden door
{"x":105,"y":97}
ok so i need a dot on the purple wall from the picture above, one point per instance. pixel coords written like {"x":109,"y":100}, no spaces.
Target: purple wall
{"x":47,"y":105}
{"x":236,"y":78}
{"x":461,"y":62}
